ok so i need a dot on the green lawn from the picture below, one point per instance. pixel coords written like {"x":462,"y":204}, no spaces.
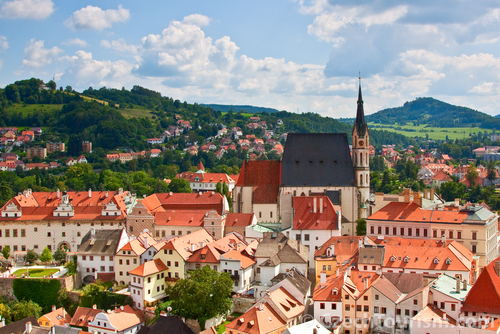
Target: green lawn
{"x":422,"y":130}
{"x":222,"y":327}
{"x":36,"y":272}
{"x":244,"y":114}
{"x":138,"y":113}
{"x":30,"y":108}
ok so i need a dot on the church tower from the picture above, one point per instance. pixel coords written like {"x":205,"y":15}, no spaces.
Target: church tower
{"x":361,"y":156}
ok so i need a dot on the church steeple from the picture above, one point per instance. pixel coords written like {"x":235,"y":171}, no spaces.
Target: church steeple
{"x":360,"y":123}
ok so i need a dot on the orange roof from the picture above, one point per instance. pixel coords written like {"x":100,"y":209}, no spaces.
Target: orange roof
{"x":330,"y":291}
{"x":259,"y":319}
{"x":344,"y":247}
{"x":184,"y":201}
{"x":286,"y":303}
{"x":211,"y":253}
{"x":484,"y":296}
{"x":135,"y":246}
{"x":442,"y":176}
{"x":432,"y":314}
{"x":193,"y":241}
{"x":264,"y":176}
{"x":309,"y":216}
{"x":400,"y":211}
{"x":180,"y":218}
{"x":235,"y":255}
{"x":239,"y":219}
{"x":127,"y":318}
{"x":83,"y":315}
{"x":46,"y":213}
{"x":206,"y":177}
{"x":149,"y":268}
{"x":58,"y":317}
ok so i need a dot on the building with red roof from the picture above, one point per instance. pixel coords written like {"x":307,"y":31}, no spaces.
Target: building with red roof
{"x":474,"y":226}
{"x":129,"y":256}
{"x":121,"y":320}
{"x":147,"y":283}
{"x":315,"y":220}
{"x":257,"y":189}
{"x":259,"y":319}
{"x":202,"y":182}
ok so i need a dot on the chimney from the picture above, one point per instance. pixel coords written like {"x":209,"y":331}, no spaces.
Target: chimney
{"x":28,"y":327}
{"x":120,"y":191}
{"x":192,"y":248}
{"x":443,"y":240}
{"x":337,"y":273}
{"x":464,"y":285}
{"x":64,"y":313}
{"x":457,"y":202}
{"x":58,"y":193}
{"x":53,"y":308}
{"x":122,"y":308}
{"x":323,"y":277}
{"x":457,"y":289}
{"x":107,"y":194}
{"x":94,"y":307}
{"x":431,"y":196}
{"x":444,"y":316}
{"x":425,"y":194}
{"x":314,"y":204}
{"x":146,"y":245}
{"x":321,"y":205}
{"x":92,"y":232}
{"x":360,"y":243}
{"x":417,"y":199}
{"x":406,"y":194}
{"x":90,"y":192}
{"x":365,"y":285}
{"x":261,"y":306}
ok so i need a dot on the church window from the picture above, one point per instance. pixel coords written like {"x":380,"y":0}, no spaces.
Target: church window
{"x":361,"y":158}
{"x":361,"y":180}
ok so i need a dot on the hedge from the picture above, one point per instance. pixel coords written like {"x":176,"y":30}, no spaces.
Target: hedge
{"x":44,"y":292}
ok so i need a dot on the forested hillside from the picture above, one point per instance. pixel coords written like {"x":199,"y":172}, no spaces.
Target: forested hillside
{"x":426,"y":110}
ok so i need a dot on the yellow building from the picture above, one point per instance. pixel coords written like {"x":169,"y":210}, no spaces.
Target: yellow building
{"x":147,"y":283}
{"x":177,"y":251}
{"x":333,"y":253}
{"x":129,"y":257}
{"x":57,"y":317}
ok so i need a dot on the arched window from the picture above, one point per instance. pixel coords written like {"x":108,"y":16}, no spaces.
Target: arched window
{"x":367,"y":179}
{"x":360,"y":180}
{"x":361,"y":158}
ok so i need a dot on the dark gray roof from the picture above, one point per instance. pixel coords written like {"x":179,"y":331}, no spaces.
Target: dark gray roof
{"x":66,"y":330}
{"x":104,"y":242}
{"x":278,"y":248}
{"x":19,"y":327}
{"x":371,"y":255}
{"x":317,"y":159}
{"x":170,"y":325}
{"x":295,"y":277}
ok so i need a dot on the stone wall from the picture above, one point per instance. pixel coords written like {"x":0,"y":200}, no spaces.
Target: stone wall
{"x":241,"y":304}
{"x":6,"y":285}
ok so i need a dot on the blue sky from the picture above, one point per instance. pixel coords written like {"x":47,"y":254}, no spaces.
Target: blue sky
{"x":293,"y":55}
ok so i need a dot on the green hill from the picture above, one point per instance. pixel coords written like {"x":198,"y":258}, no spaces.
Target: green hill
{"x":434,"y":113}
{"x":237,"y":108}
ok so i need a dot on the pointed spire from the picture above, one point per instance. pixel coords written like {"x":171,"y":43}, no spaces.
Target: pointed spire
{"x":360,"y":123}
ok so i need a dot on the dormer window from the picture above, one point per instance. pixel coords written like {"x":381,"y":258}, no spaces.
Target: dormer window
{"x":393,"y":258}
{"x":406,"y":259}
{"x":436,"y":260}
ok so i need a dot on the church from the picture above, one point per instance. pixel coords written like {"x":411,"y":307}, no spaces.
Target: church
{"x":312,"y":165}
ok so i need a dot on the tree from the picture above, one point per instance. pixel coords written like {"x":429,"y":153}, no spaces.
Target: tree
{"x":46,"y":255}
{"x":6,"y":252}
{"x":31,"y":256}
{"x":5,"y":312}
{"x":59,"y":256}
{"x":451,"y":190}
{"x":71,"y":266}
{"x":472,"y":174}
{"x":492,"y":172}
{"x":180,"y":185}
{"x":91,"y":295}
{"x":361,"y":226}
{"x":204,"y":293}
{"x":51,"y":84}
{"x":25,"y":309}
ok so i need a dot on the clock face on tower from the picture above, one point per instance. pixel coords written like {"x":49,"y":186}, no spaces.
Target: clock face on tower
{"x":360,"y":143}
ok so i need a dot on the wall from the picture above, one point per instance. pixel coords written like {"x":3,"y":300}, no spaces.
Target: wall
{"x":6,"y":285}
{"x":241,"y":304}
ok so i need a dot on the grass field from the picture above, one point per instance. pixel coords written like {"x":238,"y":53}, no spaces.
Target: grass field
{"x":422,"y":130}
{"x":246,"y":115}
{"x":86,"y":98}
{"x":30,"y":108}
{"x":138,"y":113}
{"x":36,"y":272}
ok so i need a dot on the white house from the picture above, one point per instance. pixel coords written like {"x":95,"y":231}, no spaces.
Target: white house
{"x":123,"y":320}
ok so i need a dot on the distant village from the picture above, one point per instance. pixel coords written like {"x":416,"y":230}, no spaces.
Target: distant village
{"x":288,"y":237}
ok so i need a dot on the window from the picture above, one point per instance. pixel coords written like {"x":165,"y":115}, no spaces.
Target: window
{"x":127,"y":262}
{"x":376,"y":309}
{"x":450,"y":234}
{"x":394,"y":231}
{"x":103,"y":258}
{"x":306,"y":237}
{"x":179,"y":232}
{"x":135,"y":261}
{"x":176,"y":263}
{"x":121,"y":273}
{"x":372,"y":229}
{"x":23,"y":233}
{"x":63,"y":234}
{"x":270,"y":214}
{"x":409,"y":232}
{"x":474,"y":235}
{"x":23,"y":248}
{"x":415,"y":312}
{"x":407,"y":312}
{"x":173,"y":232}
{"x":376,"y":297}
{"x":453,"y":306}
{"x":120,"y":261}
{"x":459,"y":234}
{"x":110,"y":258}
{"x":365,"y":297}
{"x":297,"y":237}
{"x":78,"y":234}
{"x":415,"y":302}
{"x":366,"y":308}
{"x":84,"y":258}
{"x":384,"y":310}
{"x":425,"y":232}
{"x":358,"y":308}
{"x":168,"y":263}
{"x":322,"y":306}
{"x":348,"y":307}
{"x":91,"y":258}
{"x":474,"y":249}
{"x":324,"y":267}
{"x":434,"y":233}
{"x":111,"y":268}
{"x":334,"y":306}
{"x":417,"y":232}
{"x":260,"y":214}
{"x":346,"y":297}
{"x":329,"y":267}
{"x":35,"y":229}
{"x":35,"y":246}
{"x":402,"y":231}
{"x":48,"y":234}
{"x":347,"y":320}
{"x":103,"y":268}
{"x":386,"y":230}
{"x":379,"y":230}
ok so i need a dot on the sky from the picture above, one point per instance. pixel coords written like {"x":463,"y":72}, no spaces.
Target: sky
{"x":294,"y":55}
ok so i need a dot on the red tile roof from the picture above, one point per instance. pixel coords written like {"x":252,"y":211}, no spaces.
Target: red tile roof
{"x":309,"y":216}
{"x":400,"y":211}
{"x":239,"y":219}
{"x":264,"y":176}
{"x":83,"y":315}
{"x":180,"y":218}
{"x":149,"y":268}
{"x":184,"y":201}
{"x":484,"y":296}
{"x":258,"y":321}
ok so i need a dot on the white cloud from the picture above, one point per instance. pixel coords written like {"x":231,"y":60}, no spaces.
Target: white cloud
{"x":27,"y":9}
{"x":35,"y":55}
{"x":197,"y":20}
{"x":486,"y":88}
{"x":85,"y":71}
{"x":4,"y":45}
{"x":94,"y":18}
{"x":76,"y":41}
{"x":120,"y":45}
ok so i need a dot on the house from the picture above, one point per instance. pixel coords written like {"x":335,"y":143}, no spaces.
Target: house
{"x":286,"y":306}
{"x":294,"y":282}
{"x":154,"y":141}
{"x":176,"y":252}
{"x":129,"y":256}
{"x":147,"y":283}
{"x":83,"y":316}
{"x":87,"y":146}
{"x":97,"y":251}
{"x":278,"y":254}
{"x":56,"y":317}
{"x":25,"y":326}
{"x":82,"y":160}
{"x":155,"y":153}
{"x":71,"y":162}
{"x":439,"y":178}
{"x":122,"y":320}
{"x":61,"y":219}
{"x":334,"y":253}
{"x":192,"y":150}
{"x":257,"y":189}
{"x":315,"y":220}
{"x":40,"y":152}
{"x":308,"y":327}
{"x":448,"y":294}
{"x":259,"y":319}
{"x":473,"y":225}
{"x":201,"y":181}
